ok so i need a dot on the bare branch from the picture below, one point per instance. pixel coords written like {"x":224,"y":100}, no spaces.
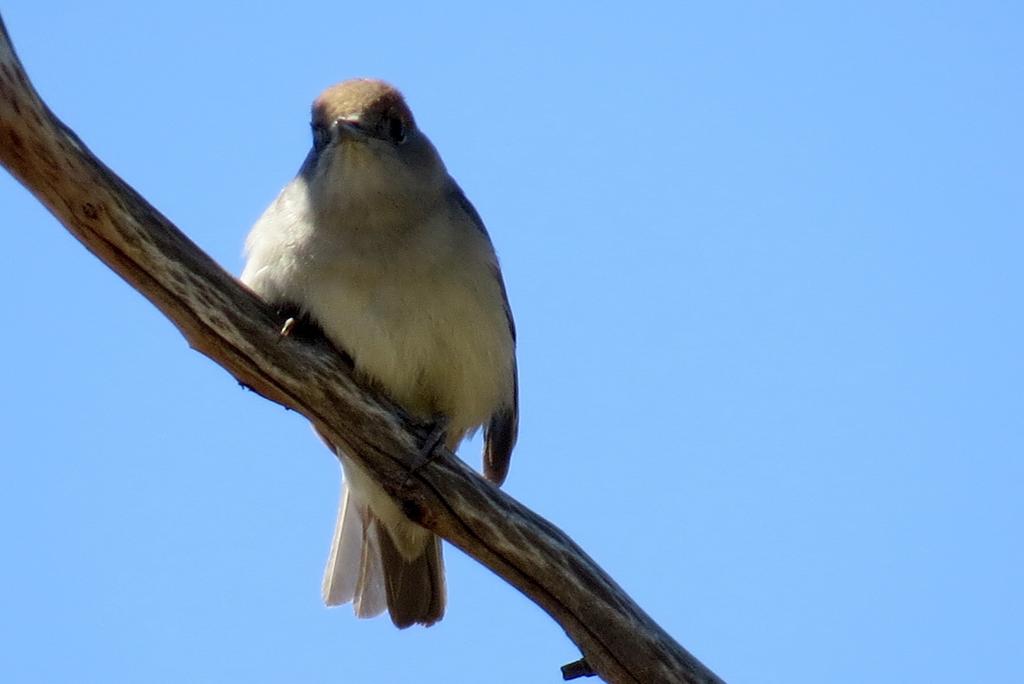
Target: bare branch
{"x":227,"y":323}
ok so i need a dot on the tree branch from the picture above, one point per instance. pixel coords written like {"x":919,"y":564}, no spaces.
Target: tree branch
{"x":227,"y":323}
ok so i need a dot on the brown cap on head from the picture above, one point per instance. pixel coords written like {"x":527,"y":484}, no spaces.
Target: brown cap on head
{"x":360,"y":99}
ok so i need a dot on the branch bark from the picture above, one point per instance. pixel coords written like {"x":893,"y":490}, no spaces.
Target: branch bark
{"x":224,"y":321}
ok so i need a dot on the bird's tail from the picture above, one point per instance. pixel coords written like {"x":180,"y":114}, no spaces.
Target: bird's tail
{"x":366,"y":567}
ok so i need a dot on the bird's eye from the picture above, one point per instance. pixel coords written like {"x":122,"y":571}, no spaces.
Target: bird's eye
{"x":321,"y":136}
{"x":394,"y":129}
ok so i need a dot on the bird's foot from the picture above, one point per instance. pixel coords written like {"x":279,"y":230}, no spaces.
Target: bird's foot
{"x":428,"y":450}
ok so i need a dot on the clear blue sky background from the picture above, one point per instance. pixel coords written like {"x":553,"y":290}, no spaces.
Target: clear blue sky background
{"x":766,"y":262}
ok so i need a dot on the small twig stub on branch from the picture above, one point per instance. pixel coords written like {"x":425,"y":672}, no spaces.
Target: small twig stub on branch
{"x":577,"y":669}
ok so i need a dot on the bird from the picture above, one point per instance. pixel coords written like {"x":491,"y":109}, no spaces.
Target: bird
{"x":374,"y":243}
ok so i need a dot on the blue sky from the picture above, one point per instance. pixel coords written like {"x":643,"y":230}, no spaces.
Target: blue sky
{"x":765,"y":261}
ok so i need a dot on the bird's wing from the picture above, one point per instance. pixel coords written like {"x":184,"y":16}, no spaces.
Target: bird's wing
{"x":503,"y":428}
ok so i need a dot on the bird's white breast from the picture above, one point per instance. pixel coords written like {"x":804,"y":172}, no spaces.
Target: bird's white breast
{"x":419,"y":308}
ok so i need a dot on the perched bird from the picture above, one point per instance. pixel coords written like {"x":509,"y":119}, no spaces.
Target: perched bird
{"x":375,"y":243}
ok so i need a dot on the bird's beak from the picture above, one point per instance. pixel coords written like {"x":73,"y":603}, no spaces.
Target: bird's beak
{"x":347,"y":129}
